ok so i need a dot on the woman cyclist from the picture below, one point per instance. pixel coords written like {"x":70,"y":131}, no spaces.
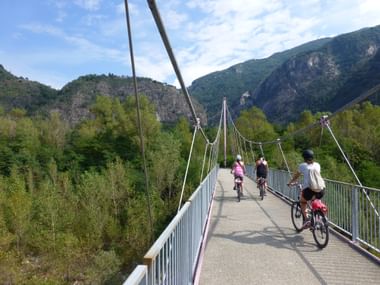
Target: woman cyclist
{"x":238,"y":170}
{"x":307,"y":192}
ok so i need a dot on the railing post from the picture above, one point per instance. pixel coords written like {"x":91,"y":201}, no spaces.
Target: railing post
{"x":355,"y":214}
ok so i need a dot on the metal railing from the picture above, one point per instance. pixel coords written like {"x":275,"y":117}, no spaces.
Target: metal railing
{"x":173,"y":257}
{"x":353,"y":209}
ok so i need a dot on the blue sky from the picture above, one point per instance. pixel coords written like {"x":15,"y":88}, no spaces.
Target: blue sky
{"x":56,"y":41}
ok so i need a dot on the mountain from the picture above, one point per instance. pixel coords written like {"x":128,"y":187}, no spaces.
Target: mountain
{"x":19,"y":92}
{"x":321,"y":75}
{"x":74,"y":99}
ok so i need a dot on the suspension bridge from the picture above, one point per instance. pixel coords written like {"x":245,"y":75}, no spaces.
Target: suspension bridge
{"x":213,"y":239}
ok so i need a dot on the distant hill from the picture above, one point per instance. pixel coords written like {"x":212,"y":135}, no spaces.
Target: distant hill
{"x":19,"y":92}
{"x":321,"y":75}
{"x":75,"y":98}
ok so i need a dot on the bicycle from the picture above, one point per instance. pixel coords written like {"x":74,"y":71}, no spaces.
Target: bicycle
{"x":238,"y":186}
{"x":261,"y":185}
{"x":318,"y":220}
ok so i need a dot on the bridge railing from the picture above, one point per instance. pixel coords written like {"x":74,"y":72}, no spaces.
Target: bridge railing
{"x":353,"y":209}
{"x":173,"y":257}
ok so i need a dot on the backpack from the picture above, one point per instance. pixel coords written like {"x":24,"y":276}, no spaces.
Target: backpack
{"x":317,"y":184}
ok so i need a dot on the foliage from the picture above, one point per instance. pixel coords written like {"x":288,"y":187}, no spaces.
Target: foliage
{"x":73,"y":200}
{"x":73,"y":204}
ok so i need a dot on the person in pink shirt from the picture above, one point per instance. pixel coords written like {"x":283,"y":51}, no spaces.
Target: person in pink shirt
{"x":238,"y":170}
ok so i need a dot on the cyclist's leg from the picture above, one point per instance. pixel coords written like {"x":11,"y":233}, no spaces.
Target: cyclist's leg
{"x":265,"y":183}
{"x":242,"y":184}
{"x":306,"y":195}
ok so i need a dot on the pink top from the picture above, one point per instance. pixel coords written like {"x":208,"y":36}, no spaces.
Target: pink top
{"x":238,"y":169}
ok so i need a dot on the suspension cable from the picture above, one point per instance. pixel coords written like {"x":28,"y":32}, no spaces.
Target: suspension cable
{"x":261,"y":149}
{"x":209,"y":158}
{"x":187,"y":167}
{"x":204,"y":160}
{"x":245,"y":149}
{"x":283,"y":156}
{"x":325,"y":123}
{"x":253,"y":155}
{"x":139,"y":116}
{"x":165,"y":39}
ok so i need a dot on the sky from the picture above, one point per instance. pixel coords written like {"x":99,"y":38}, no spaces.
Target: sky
{"x":56,"y":41}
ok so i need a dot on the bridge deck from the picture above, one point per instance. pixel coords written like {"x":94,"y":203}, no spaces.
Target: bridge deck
{"x":254,"y":242}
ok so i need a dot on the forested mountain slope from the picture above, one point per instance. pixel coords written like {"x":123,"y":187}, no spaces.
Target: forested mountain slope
{"x":75,"y":98}
{"x":319,"y":76}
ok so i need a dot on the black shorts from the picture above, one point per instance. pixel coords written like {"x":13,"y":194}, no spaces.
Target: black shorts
{"x":263,"y":175}
{"x":308,"y":194}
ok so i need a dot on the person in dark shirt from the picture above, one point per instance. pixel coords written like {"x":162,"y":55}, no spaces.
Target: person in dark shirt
{"x":262,"y":169}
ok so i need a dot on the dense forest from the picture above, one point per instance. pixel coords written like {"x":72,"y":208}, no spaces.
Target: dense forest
{"x":73,"y":200}
{"x":73,"y":204}
{"x":357,"y":131}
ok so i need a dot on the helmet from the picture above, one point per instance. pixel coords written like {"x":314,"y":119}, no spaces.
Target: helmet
{"x":238,"y":157}
{"x":308,"y":154}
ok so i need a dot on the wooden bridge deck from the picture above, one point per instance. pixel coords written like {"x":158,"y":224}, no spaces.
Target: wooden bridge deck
{"x":254,"y":242}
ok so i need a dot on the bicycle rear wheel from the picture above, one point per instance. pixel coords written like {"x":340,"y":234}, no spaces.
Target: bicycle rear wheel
{"x":320,"y":229}
{"x":297,"y":217}
{"x":238,"y":190}
{"x":262,"y":191}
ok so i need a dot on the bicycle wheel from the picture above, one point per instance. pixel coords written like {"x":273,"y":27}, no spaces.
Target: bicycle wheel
{"x":238,"y":190}
{"x":320,"y":229}
{"x":261,"y":187}
{"x":297,"y":217}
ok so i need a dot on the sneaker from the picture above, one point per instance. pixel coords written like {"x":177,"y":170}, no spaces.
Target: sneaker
{"x":306,"y":224}
{"x":234,"y":187}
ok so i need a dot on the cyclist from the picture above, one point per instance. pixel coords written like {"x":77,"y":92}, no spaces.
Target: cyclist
{"x":307,"y":193}
{"x":238,"y":170}
{"x":262,"y":170}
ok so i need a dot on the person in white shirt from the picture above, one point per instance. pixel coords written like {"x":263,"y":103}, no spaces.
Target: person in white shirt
{"x":307,"y":193}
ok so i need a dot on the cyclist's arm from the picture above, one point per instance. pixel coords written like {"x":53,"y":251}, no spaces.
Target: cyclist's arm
{"x":233,"y":168}
{"x":295,"y":177}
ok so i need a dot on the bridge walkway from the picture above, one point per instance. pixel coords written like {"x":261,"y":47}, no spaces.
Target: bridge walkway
{"x":254,"y":242}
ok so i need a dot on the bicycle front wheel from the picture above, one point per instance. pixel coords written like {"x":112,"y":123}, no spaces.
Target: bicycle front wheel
{"x":320,"y":229}
{"x":297,"y":217}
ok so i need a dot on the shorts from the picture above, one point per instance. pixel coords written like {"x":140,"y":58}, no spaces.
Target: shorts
{"x":263,"y":175}
{"x":241,"y":177}
{"x":308,"y":194}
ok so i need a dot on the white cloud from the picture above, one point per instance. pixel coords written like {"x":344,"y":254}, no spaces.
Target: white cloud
{"x":91,"y":5}
{"x":236,"y":31}
{"x":158,"y":69}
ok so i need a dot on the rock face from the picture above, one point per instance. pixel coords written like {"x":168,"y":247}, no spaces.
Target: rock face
{"x":170,"y":103}
{"x":315,"y":80}
{"x":319,"y":76}
{"x":74,"y":99}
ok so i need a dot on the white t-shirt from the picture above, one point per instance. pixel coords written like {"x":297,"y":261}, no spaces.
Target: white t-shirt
{"x":304,"y":169}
